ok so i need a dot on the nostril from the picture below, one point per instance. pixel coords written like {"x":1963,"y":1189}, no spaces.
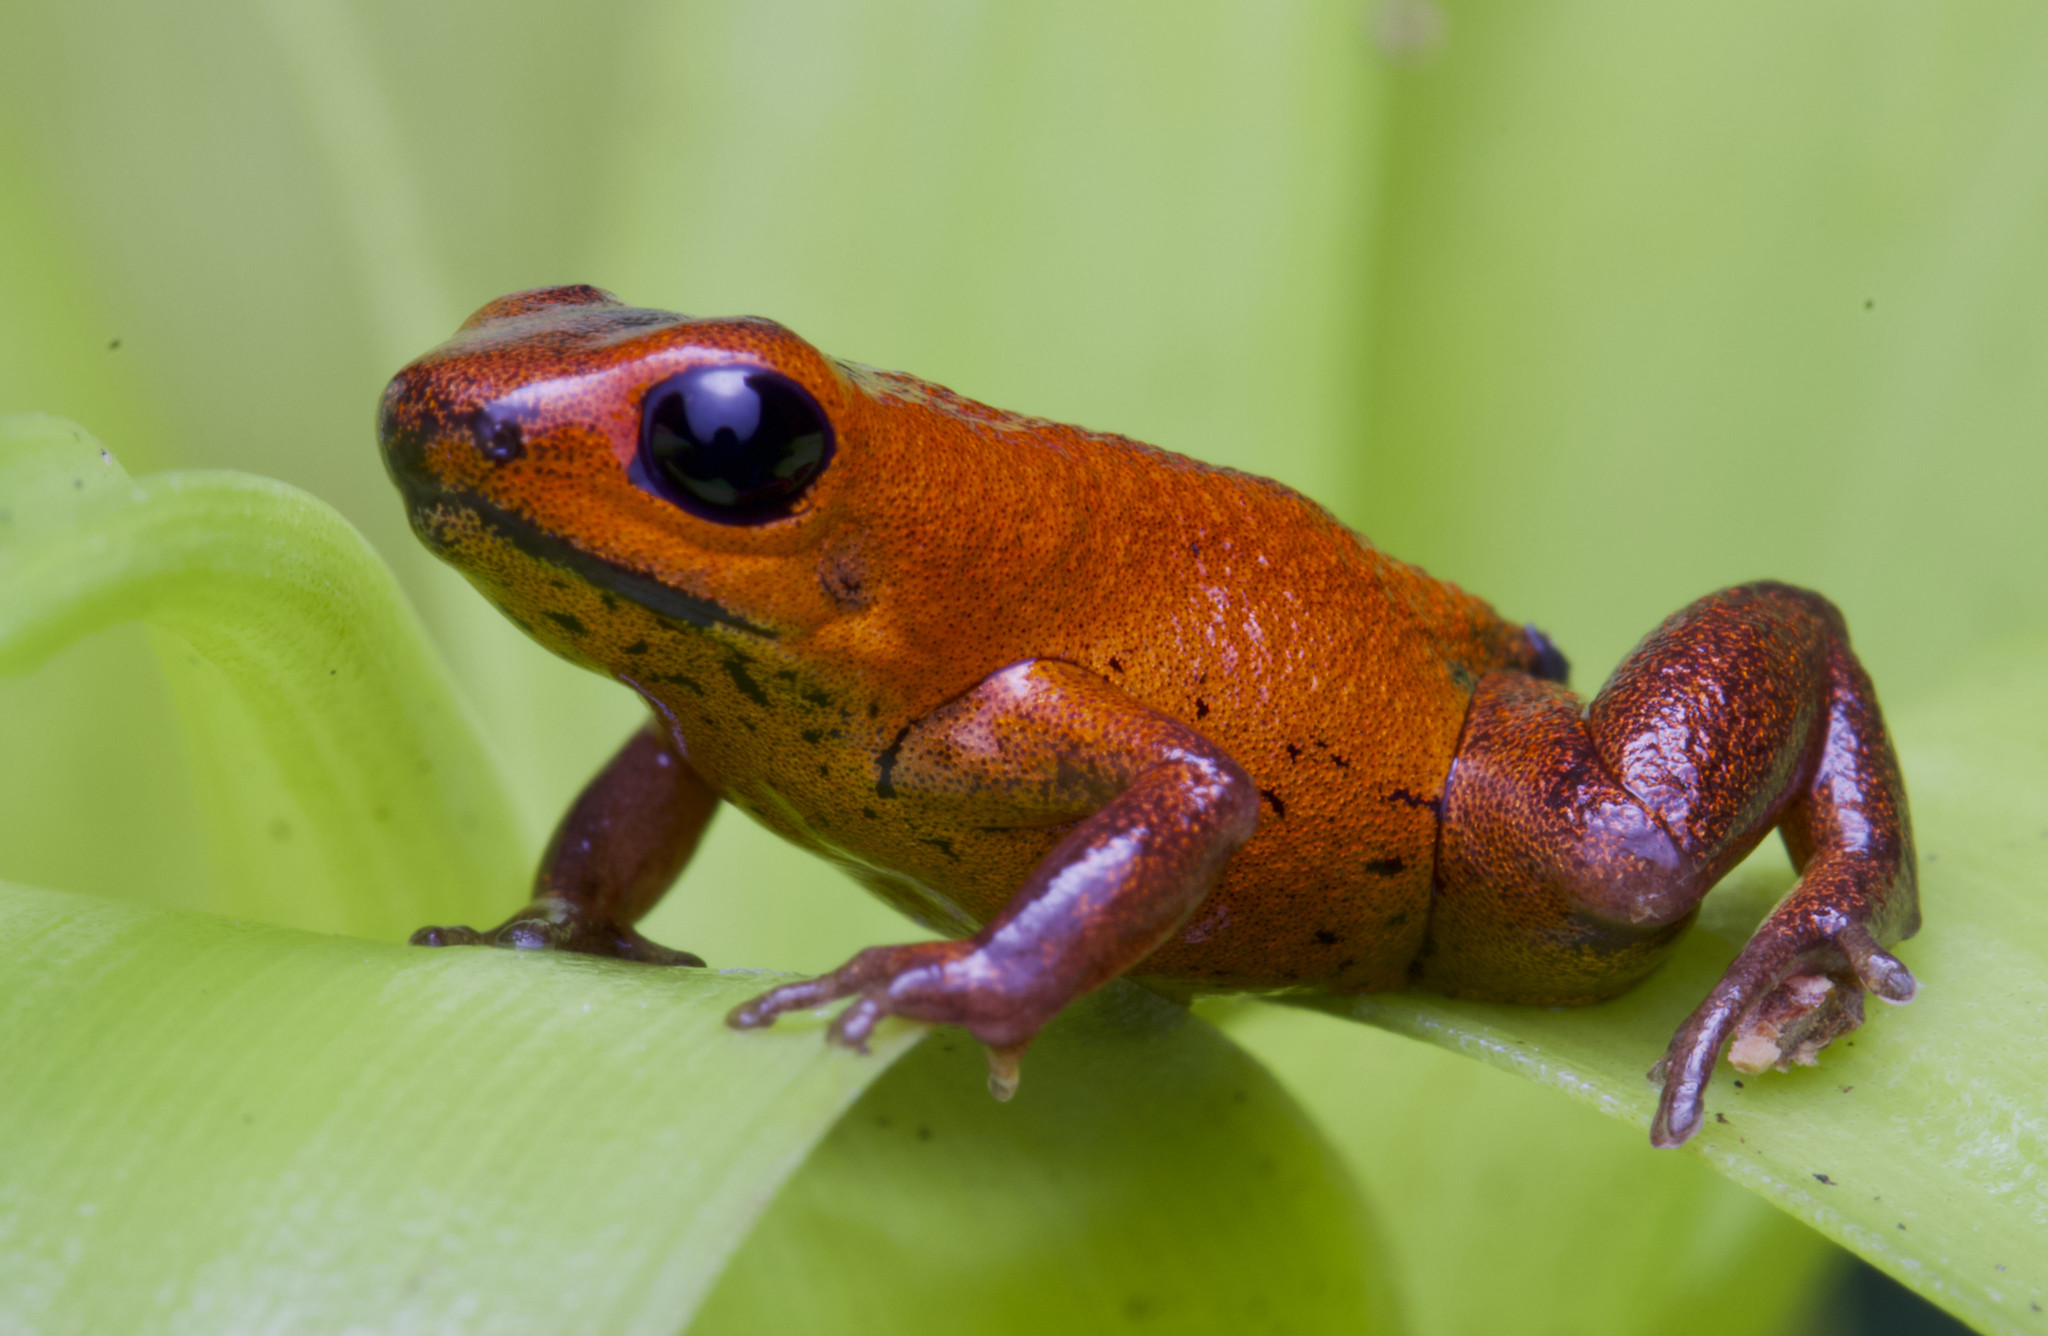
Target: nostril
{"x":500,"y":439}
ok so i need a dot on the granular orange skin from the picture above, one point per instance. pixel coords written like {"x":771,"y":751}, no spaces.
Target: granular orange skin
{"x":945,"y":540}
{"x":839,"y":674}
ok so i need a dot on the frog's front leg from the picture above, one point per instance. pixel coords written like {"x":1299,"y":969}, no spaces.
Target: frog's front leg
{"x":1577,"y":843}
{"x":1159,"y":809}
{"x":619,"y":847}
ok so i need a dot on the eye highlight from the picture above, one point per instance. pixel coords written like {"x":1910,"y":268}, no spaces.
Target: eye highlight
{"x":735,"y":444}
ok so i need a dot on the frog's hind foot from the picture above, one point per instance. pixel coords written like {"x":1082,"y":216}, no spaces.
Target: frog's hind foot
{"x":1795,"y":988}
{"x":559,"y":925}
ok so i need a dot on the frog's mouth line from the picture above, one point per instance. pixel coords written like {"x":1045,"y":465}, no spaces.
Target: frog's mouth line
{"x":632,"y":586}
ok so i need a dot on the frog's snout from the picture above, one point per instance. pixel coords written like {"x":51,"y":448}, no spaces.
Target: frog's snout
{"x":402,"y":435}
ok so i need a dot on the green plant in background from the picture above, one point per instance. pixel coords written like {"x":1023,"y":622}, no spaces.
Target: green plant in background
{"x":1587,"y":308}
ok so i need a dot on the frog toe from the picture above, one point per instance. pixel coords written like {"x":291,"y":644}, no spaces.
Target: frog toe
{"x":547,"y":925}
{"x":450,"y":935}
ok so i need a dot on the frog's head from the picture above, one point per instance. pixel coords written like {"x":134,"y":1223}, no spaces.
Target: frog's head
{"x":565,"y":450}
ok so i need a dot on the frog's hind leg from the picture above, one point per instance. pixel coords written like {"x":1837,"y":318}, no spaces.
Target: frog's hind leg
{"x":616,"y":851}
{"x":1578,"y":844}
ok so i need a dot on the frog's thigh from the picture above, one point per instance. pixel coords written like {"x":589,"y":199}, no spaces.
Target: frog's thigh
{"x":1577,"y":844}
{"x":1159,"y":808}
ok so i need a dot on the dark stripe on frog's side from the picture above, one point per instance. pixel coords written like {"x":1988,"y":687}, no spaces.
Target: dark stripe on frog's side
{"x":599,"y":574}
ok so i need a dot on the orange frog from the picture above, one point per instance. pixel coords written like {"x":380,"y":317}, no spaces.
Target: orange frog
{"x":1088,"y":708}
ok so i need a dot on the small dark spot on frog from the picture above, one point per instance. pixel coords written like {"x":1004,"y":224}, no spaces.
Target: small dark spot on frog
{"x":843,"y":577}
{"x":1195,"y":549}
{"x":816,"y":696}
{"x":1347,"y":963}
{"x":874,"y":708}
{"x":1823,"y":1178}
{"x":1398,"y":919}
{"x":1462,"y":677}
{"x":1115,"y":665}
{"x":1293,"y":752}
{"x":1404,"y":796}
{"x":785,"y":674}
{"x":609,"y":599}
{"x":1720,"y":1117}
{"x":824,"y":772}
{"x":682,"y":680}
{"x":869,"y":813}
{"x":1738,"y":1085}
{"x":1340,"y":762}
{"x":944,"y":846}
{"x":557,"y":582}
{"x":736,"y":668}
{"x":814,"y":736}
{"x":637,"y":647}
{"x":1201,"y":708}
{"x":1385,"y":867}
{"x":113,"y":345}
{"x":1326,"y":937}
{"x":569,"y":622}
{"x":1279,"y":808}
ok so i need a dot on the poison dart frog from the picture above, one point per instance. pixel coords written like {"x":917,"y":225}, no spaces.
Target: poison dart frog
{"x":1087,"y":708}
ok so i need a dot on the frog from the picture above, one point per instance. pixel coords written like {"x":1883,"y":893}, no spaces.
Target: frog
{"x":1085,"y":709}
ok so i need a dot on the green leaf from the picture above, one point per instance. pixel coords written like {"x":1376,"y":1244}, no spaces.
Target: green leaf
{"x":1150,"y":1176}
{"x":352,"y":792}
{"x":1919,"y":1142}
{"x":1514,"y":1209}
{"x":234,"y":1127}
{"x":222,"y":1127}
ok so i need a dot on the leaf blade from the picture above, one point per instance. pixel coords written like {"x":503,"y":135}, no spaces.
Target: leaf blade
{"x":246,"y":1127}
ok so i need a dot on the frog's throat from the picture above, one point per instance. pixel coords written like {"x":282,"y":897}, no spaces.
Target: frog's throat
{"x":631,"y":585}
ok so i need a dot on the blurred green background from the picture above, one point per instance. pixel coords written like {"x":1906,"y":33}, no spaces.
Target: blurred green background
{"x":1591,"y":307}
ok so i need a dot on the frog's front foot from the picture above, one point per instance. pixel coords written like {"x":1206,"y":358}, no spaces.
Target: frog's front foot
{"x":560,"y":925}
{"x":939,"y":983}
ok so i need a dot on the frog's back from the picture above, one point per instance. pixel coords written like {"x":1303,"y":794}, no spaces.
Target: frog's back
{"x":1337,"y":676}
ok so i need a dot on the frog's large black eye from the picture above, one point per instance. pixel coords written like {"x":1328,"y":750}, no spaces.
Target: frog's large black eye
{"x":731,"y":443}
